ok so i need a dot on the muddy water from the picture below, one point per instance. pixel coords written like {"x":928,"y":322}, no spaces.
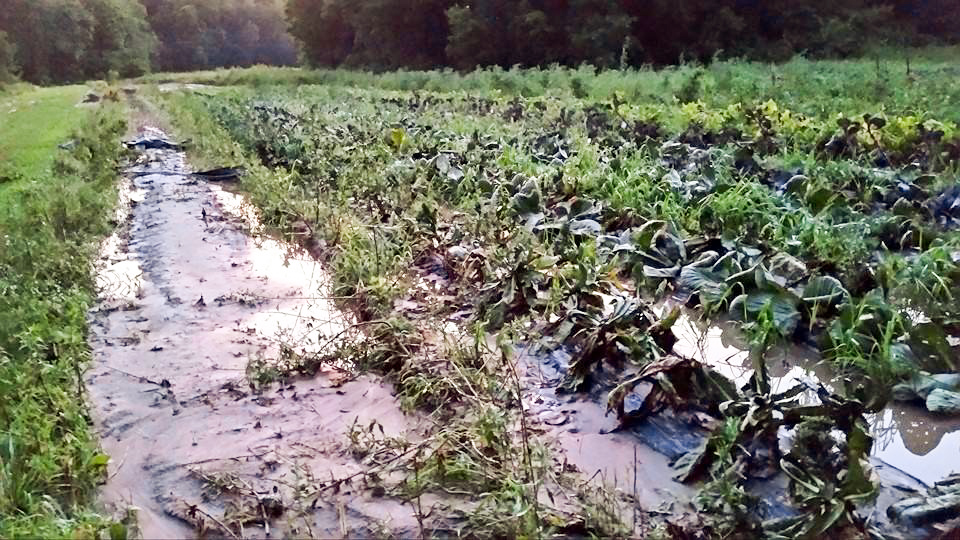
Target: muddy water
{"x":580,"y":428}
{"x":906,"y":437}
{"x":189,"y":296}
{"x":919,"y":443}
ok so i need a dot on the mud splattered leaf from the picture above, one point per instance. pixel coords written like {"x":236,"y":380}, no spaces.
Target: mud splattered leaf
{"x":922,"y":384}
{"x":710,"y":285}
{"x":585,"y":227}
{"x":780,"y":307}
{"x":943,"y":401}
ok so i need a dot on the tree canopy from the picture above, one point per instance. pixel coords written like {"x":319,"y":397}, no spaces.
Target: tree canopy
{"x":51,"y":41}
{"x":386,"y":34}
{"x":200,"y":34}
{"x":57,"y":40}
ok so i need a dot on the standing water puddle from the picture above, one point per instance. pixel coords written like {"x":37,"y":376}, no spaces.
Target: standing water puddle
{"x":188,"y":297}
{"x":906,"y":437}
{"x":910,"y":445}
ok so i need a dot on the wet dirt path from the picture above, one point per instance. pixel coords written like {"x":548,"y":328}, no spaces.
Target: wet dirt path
{"x":188,"y":298}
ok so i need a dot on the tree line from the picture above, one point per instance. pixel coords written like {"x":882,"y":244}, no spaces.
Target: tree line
{"x":53,"y":41}
{"x":390,"y":34}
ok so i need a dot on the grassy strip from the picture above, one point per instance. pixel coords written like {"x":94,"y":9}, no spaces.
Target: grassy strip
{"x":50,"y":223}
{"x":880,"y":82}
{"x":34,"y":123}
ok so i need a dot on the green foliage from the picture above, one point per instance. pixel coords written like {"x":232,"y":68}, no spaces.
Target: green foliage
{"x":789,"y":95}
{"x":549,"y":216}
{"x":604,"y":33}
{"x":69,"y":40}
{"x":329,"y":27}
{"x":122,"y":41}
{"x":379,"y":34}
{"x":50,"y":463}
{"x":592,"y":31}
{"x":194,"y":34}
{"x":58,"y":41}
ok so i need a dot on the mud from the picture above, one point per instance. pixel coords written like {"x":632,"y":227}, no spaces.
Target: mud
{"x":191,"y":293}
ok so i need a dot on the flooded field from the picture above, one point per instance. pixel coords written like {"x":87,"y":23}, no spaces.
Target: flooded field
{"x":710,"y":300}
{"x":913,"y":449}
{"x":800,"y":380}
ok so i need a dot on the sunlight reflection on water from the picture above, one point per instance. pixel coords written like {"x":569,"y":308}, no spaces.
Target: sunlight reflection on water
{"x":905,"y":436}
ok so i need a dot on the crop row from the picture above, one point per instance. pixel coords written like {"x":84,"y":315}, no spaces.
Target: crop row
{"x":841,"y":235}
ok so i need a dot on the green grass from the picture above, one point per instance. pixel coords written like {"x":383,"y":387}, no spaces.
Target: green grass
{"x":51,"y":219}
{"x":41,"y":119}
{"x":813,"y":87}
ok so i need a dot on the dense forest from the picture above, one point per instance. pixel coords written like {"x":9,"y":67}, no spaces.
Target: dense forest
{"x":196,"y":34}
{"x":67,"y":40}
{"x":47,"y":41}
{"x":390,"y":34}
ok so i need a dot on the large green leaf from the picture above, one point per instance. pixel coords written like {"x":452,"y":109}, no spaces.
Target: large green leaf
{"x":943,"y":401}
{"x":824,"y":290}
{"x":545,"y":262}
{"x":670,"y":246}
{"x":708,"y":284}
{"x":819,"y":198}
{"x":705,"y":260}
{"x":695,"y":278}
{"x":579,"y":209}
{"x":691,"y":466}
{"x":643,"y":235}
{"x":527,"y":200}
{"x":782,"y":309}
{"x":929,"y":342}
{"x":922,"y":385}
{"x":661,"y":273}
{"x":787,"y":269}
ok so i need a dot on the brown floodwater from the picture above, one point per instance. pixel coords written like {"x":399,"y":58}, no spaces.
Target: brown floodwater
{"x":191,"y":292}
